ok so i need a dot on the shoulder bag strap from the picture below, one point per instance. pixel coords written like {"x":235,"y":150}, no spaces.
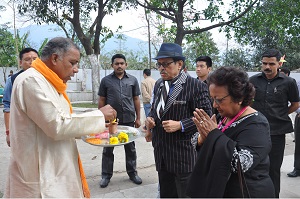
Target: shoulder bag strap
{"x":242,"y":180}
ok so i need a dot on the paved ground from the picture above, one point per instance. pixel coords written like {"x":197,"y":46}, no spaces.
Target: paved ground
{"x":120,"y":185}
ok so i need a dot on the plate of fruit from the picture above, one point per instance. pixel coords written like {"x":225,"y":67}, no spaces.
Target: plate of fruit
{"x":123,"y":135}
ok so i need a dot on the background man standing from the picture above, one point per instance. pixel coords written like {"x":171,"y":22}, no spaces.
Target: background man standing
{"x":147,"y":88}
{"x":120,"y":90}
{"x":26,"y":57}
{"x":11,"y":72}
{"x":203,"y":67}
{"x":176,"y":95}
{"x":296,"y":170}
{"x":273,"y":92}
{"x":285,"y":71}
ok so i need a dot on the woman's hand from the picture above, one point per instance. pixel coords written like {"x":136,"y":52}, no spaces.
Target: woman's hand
{"x":204,"y":124}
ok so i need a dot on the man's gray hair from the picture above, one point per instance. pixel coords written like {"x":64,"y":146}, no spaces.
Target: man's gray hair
{"x":59,"y":46}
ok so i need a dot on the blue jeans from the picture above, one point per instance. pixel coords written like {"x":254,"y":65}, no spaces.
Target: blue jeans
{"x":147,"y":108}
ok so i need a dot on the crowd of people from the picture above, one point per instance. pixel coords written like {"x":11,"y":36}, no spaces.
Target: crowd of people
{"x":221,"y":134}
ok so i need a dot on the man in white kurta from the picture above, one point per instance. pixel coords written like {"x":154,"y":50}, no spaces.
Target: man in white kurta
{"x":44,"y":155}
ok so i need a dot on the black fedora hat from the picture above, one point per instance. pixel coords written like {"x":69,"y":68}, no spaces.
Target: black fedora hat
{"x":171,"y":50}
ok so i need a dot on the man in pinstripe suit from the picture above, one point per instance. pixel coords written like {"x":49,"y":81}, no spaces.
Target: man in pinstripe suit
{"x":170,"y":125}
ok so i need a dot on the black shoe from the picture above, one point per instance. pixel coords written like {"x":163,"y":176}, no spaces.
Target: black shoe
{"x":104,"y":182}
{"x":136,"y":179}
{"x":294,"y":173}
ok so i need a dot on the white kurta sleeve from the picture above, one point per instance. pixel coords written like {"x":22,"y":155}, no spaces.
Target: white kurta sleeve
{"x":50,"y":111}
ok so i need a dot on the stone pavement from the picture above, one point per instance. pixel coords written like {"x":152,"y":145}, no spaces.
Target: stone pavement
{"x":120,"y":186}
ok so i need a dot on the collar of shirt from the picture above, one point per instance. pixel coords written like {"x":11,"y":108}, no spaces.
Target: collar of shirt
{"x":279,"y":75}
{"x":125,"y":74}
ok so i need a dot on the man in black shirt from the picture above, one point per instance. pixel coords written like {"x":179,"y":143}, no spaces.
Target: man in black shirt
{"x":120,"y":90}
{"x":273,"y":92}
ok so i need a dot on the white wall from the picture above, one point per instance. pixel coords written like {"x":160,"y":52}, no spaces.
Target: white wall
{"x":139,"y":75}
{"x":76,"y":81}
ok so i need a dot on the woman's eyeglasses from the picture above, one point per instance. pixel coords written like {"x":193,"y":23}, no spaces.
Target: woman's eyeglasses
{"x":219,"y":101}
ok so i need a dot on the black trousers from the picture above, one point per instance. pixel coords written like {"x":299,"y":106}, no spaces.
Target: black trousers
{"x":108,"y":158}
{"x":276,"y":159}
{"x":297,"y":142}
{"x":172,"y":185}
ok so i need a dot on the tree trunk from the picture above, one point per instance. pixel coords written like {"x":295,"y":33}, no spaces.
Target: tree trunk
{"x":179,"y":36}
{"x":149,"y":38}
{"x":15,"y":34}
{"x":94,"y":61}
{"x":4,"y":69}
{"x":179,"y":21}
{"x":83,"y":83}
{"x":84,"y":62}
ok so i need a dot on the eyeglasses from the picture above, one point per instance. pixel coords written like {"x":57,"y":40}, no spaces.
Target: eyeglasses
{"x":165,"y":65}
{"x":219,"y":101}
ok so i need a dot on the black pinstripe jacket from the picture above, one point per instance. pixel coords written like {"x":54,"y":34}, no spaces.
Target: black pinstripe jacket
{"x":175,"y":148}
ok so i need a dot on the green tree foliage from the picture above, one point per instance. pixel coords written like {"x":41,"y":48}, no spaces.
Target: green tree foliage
{"x":23,"y":41}
{"x":136,"y":60}
{"x":8,"y":54}
{"x":186,"y":19}
{"x":239,"y":58}
{"x":272,"y":24}
{"x":270,"y":16}
{"x":42,"y":46}
{"x":7,"y":50}
{"x":200,"y":44}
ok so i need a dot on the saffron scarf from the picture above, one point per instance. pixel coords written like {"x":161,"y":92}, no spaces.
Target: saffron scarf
{"x":61,"y":87}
